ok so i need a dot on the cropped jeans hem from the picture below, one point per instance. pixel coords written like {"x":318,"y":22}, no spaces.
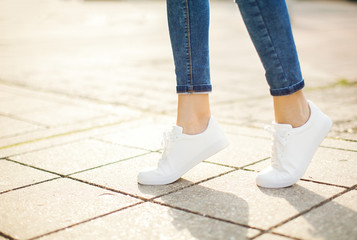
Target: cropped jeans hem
{"x":194,"y":88}
{"x":288,"y":90}
{"x":269,"y":27}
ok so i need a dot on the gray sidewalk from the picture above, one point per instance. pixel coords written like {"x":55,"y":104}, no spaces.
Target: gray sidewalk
{"x":87,"y":88}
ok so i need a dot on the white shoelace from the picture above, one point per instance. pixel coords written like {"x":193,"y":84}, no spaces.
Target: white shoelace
{"x":279,"y":140}
{"x":169,"y":137}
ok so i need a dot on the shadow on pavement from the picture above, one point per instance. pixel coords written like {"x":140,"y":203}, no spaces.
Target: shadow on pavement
{"x":329,"y":223}
{"x":206,"y":202}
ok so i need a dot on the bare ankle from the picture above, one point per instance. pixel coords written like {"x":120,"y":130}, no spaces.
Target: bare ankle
{"x":193,"y":113}
{"x":292,"y":109}
{"x":194,"y":125}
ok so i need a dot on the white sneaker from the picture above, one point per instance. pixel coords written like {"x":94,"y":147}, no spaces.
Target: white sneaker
{"x":182,"y":152}
{"x":293,"y":149}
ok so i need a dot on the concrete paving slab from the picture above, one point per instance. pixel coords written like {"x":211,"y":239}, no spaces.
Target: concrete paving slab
{"x":253,"y":112}
{"x":122,"y":176}
{"x":242,"y":151}
{"x":153,"y":221}
{"x":45,"y":138}
{"x":145,"y":133}
{"x":333,"y":166}
{"x":243,"y":130}
{"x":334,"y":220}
{"x":11,"y":127}
{"x":340,"y":144}
{"x":65,"y":100}
{"x":328,"y":165}
{"x":269,"y":236}
{"x":60,"y":115}
{"x":77,"y":156}
{"x":248,"y":204}
{"x":19,"y":104}
{"x":111,"y":115}
{"x":45,"y":207}
{"x":340,"y":104}
{"x":14,"y":175}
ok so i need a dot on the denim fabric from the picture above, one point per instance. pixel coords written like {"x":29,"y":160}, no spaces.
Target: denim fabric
{"x":188,"y":24}
{"x":269,"y":27}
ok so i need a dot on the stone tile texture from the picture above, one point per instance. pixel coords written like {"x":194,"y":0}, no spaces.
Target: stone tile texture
{"x":45,"y":207}
{"x":123,"y":176}
{"x":248,"y":204}
{"x":319,"y":223}
{"x":14,"y":175}
{"x":153,"y":221}
{"x":77,"y":156}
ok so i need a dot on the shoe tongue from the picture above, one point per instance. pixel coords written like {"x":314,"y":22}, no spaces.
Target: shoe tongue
{"x":176,"y":129}
{"x":279,"y":126}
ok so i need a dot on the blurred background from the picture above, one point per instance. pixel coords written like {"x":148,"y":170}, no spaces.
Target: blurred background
{"x":117,"y":53}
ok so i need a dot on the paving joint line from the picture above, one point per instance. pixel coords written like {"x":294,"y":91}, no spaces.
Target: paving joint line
{"x":336,"y":148}
{"x":238,"y":168}
{"x":269,"y":230}
{"x":59,"y":125}
{"x":123,"y":145}
{"x":207,"y":216}
{"x":259,"y":128}
{"x":30,"y":185}
{"x":305,"y":180}
{"x":259,"y":161}
{"x":250,"y":170}
{"x":7,"y":236}
{"x":193,"y":184}
{"x":324,"y":183}
{"x":65,"y":134}
{"x":278,"y":234}
{"x":108,"y":188}
{"x":25,"y":120}
{"x":45,"y":148}
{"x":85,"y":221}
{"x":34,"y":167}
{"x":22,"y":133}
{"x":221,"y":164}
{"x":69,"y":175}
{"x":74,"y":141}
{"x":322,"y":146}
{"x":72,"y":96}
{"x":107,"y":164}
{"x":342,"y":139}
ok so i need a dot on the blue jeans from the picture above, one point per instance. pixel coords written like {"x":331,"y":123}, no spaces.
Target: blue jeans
{"x":269,"y":27}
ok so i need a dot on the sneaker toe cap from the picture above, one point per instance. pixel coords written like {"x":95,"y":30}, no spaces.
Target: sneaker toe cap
{"x":273,"y":178}
{"x":151,"y":176}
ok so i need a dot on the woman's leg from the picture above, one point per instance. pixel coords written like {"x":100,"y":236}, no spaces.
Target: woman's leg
{"x":189,"y":26}
{"x":197,"y":135}
{"x":268,"y":24}
{"x":299,"y":126}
